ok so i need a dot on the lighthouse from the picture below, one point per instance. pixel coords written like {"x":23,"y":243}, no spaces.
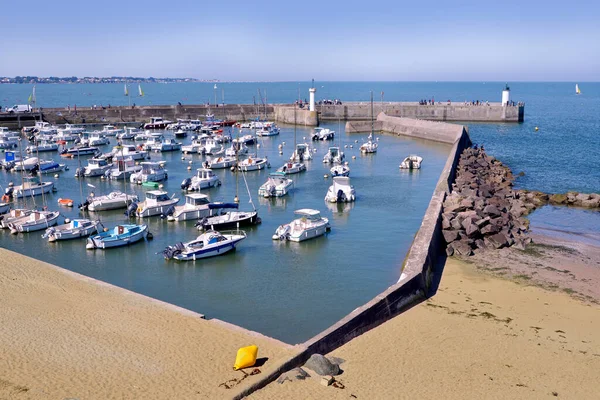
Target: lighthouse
{"x":506,"y":95}
{"x":312,"y":92}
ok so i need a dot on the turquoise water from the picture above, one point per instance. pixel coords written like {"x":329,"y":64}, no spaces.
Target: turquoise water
{"x":290,"y":291}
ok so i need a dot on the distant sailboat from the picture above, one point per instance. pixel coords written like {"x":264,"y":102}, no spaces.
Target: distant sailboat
{"x":126,"y":91}
{"x":141,"y":92}
{"x":577,"y":91}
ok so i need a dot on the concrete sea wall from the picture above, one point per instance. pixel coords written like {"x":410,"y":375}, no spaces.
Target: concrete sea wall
{"x":422,"y":267}
{"x":494,"y":112}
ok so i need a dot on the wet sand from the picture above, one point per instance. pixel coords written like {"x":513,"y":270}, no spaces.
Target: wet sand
{"x":67,"y":336}
{"x":480,"y":337}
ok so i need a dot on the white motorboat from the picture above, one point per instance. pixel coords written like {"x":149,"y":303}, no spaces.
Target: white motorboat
{"x":180,"y":133}
{"x":341,"y":191}
{"x":110,"y":130}
{"x":236,"y":149}
{"x":44,"y":128}
{"x":340,"y":170}
{"x":80,"y":151}
{"x":308,"y":226}
{"x":50,"y":167}
{"x":12,"y":215}
{"x":97,"y":139}
{"x":128,"y":150}
{"x":151,"y":172}
{"x":292,"y":167}
{"x":253,"y":164}
{"x":246,"y":139}
{"x":195,"y":207}
{"x":411,"y":162}
{"x":334,"y":156}
{"x":277,"y":185}
{"x":35,"y":221}
{"x":74,"y":229}
{"x":208,"y":244}
{"x":42,"y":147}
{"x":129,"y":133}
{"x":32,"y":186}
{"x":26,"y":164}
{"x":9,"y":142}
{"x":220,"y":162}
{"x":157,"y":123}
{"x":204,"y":179}
{"x":66,"y":136}
{"x":70,"y":129}
{"x":166,"y":144}
{"x":323,"y":134}
{"x":111,"y":201}
{"x":268,"y":131}
{"x":122,"y":169}
{"x":229,"y":219}
{"x":157,"y":202}
{"x":120,"y":235}
{"x":96,"y":167}
{"x":213,"y":147}
{"x":197,"y":146}
{"x":302,"y":152}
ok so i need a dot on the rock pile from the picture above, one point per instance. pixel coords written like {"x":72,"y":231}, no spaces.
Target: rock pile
{"x":574,"y":199}
{"x":483,"y":211}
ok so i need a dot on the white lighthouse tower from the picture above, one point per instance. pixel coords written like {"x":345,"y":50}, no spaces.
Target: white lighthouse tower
{"x":506,"y":95}
{"x":312,"y":92}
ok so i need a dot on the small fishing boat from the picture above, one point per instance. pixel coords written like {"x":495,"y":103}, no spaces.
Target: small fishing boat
{"x":35,"y":221}
{"x":151,"y":172}
{"x":334,"y":156}
{"x":369,"y":146}
{"x":253,"y":164}
{"x":340,"y":170}
{"x":74,"y":229}
{"x":180,"y":133}
{"x":292,"y":167}
{"x":13,"y":215}
{"x":42,"y":147}
{"x":129,"y":133}
{"x":127,"y":150}
{"x":97,"y":139}
{"x":65,"y":202}
{"x":195,"y":207}
{"x":157,"y":202}
{"x":71,"y":129}
{"x":411,"y":162}
{"x":50,"y":167}
{"x":110,"y":130}
{"x":204,"y":179}
{"x":122,"y":169}
{"x":27,"y":164}
{"x":165,"y":144}
{"x":246,"y":139}
{"x":208,"y":244}
{"x":219,"y":162}
{"x":66,"y":136}
{"x":236,"y":149}
{"x":157,"y":123}
{"x":277,"y":185}
{"x":96,"y":167}
{"x":197,"y":146}
{"x":302,"y":152}
{"x":268,"y":131}
{"x":79,"y":151}
{"x":308,"y":226}
{"x":32,"y":186}
{"x":341,"y":191}
{"x":120,"y":235}
{"x":228,"y":219}
{"x":112,"y":201}
{"x":323,"y":134}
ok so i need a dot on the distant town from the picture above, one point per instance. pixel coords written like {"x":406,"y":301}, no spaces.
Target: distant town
{"x":90,"y":79}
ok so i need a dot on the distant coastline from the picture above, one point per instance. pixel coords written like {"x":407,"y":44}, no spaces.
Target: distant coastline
{"x":89,"y":79}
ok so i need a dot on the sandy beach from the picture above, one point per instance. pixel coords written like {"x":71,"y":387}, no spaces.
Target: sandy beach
{"x":66,"y":336}
{"x":480,"y":337}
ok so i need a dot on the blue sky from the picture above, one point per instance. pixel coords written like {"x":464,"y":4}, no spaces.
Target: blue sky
{"x":285,"y":40}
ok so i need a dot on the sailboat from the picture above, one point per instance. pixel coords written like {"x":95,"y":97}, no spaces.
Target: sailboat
{"x":577,"y":91}
{"x":370,"y":146}
{"x":140,"y":91}
{"x":293,"y":166}
{"x":126,"y":91}
{"x":341,"y":169}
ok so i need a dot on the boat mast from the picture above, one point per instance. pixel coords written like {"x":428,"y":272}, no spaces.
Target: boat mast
{"x":372,"y":122}
{"x":294,"y":153}
{"x":37,"y":153}
{"x":22,"y":170}
{"x":237,"y":148}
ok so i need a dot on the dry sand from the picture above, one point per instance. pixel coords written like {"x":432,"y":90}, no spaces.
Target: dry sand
{"x":66,"y":336}
{"x":480,"y":337}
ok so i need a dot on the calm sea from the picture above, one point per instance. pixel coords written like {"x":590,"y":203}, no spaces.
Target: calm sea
{"x":293,"y":291}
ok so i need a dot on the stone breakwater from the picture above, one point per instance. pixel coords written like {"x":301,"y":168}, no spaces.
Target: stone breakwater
{"x":535,"y":199}
{"x":483,"y":211}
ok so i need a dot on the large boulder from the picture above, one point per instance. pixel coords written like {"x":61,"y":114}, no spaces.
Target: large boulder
{"x":321,"y":365}
{"x":558,"y":199}
{"x":497,"y":241}
{"x":462,"y":248}
{"x":450,"y":236}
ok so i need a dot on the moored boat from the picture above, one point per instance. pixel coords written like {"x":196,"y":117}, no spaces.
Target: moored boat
{"x":229,"y":219}
{"x":120,"y":235}
{"x":204,"y":179}
{"x":208,"y":244}
{"x":253,"y":164}
{"x":112,"y":201}
{"x":411,"y":162}
{"x":151,"y":172}
{"x":341,"y":191}
{"x":277,"y":185}
{"x":310,"y":225}
{"x":195,"y":207}
{"x":35,"y":221}
{"x":74,"y":229}
{"x":157,"y":202}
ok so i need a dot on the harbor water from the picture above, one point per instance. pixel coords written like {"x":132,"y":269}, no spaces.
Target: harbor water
{"x":287,"y":290}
